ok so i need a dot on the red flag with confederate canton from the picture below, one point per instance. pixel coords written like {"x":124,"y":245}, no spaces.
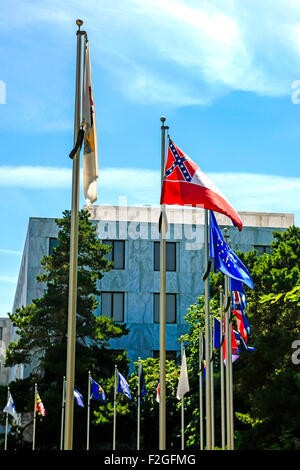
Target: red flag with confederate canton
{"x":185,"y":184}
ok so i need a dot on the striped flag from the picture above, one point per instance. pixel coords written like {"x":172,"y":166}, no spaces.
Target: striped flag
{"x":90,"y":152}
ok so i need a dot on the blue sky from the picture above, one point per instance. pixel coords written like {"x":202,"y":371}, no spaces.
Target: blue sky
{"x":224,"y":73}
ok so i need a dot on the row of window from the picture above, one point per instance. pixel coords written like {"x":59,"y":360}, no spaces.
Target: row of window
{"x":117,"y":253}
{"x":112,"y":306}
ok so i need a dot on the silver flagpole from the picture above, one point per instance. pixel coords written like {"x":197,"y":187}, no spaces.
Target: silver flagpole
{"x":34,"y":417}
{"x":212,"y":387}
{"x":139,"y":406}
{"x":62,"y":414}
{"x":88,"y":413}
{"x":6,"y":422}
{"x":115,"y":414}
{"x":200,"y":387}
{"x":182,"y":409}
{"x":72,"y":301}
{"x":222,"y":371}
{"x":162,"y":314}
{"x":228,"y":358}
{"x":231,"y":373}
{"x":207,"y":340}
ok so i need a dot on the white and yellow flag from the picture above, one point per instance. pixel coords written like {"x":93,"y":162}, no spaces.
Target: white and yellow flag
{"x":183,"y":383}
{"x":90,"y":159}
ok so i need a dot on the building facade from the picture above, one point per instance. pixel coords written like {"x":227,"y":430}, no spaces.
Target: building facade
{"x":130,"y":291}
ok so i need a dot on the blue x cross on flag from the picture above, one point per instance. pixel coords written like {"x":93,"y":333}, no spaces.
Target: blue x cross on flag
{"x":226,"y":260}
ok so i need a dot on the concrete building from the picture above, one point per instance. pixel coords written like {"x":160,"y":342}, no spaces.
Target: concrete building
{"x":130,"y":291}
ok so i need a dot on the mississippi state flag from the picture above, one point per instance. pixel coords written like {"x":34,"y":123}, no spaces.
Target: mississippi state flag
{"x":185,"y":184}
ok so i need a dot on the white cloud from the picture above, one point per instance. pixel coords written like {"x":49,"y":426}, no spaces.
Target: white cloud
{"x":179,"y":52}
{"x":245,"y":191}
{"x":7,"y":251}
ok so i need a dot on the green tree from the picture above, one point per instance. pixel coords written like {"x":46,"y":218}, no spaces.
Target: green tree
{"x":266,"y":382}
{"x":42,"y":332}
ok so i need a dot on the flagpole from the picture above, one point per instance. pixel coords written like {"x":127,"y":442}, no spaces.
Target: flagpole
{"x":62,"y":414}
{"x":230,"y":371}
{"x":182,"y":408}
{"x":72,"y":301}
{"x":34,"y":417}
{"x":212,"y":387}
{"x":6,"y":421}
{"x":88,"y":413}
{"x":207,"y":338}
{"x":139,"y":405}
{"x":162,"y":319}
{"x":200,"y":387}
{"x":115,"y":415}
{"x":228,"y":359}
{"x":222,"y":371}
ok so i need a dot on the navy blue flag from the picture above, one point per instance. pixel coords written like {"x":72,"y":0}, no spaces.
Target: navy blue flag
{"x":217,"y":333}
{"x":123,"y":386}
{"x":226,"y":260}
{"x":97,"y":391}
{"x":78,"y":398}
{"x":142,"y":383}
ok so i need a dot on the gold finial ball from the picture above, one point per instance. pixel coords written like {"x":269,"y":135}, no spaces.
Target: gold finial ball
{"x":79,"y":22}
{"x":162,"y":119}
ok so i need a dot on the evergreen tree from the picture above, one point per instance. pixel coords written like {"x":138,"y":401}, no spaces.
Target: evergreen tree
{"x":42,"y":333}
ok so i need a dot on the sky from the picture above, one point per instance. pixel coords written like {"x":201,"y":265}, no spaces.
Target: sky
{"x":225,"y":74}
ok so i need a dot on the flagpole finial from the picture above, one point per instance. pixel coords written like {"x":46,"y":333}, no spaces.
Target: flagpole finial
{"x":79,"y":23}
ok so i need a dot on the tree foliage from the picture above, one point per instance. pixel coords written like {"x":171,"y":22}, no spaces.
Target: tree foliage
{"x":42,"y":331}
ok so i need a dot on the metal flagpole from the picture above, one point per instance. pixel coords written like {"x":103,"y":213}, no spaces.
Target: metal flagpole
{"x":6,"y":422}
{"x":182,"y":409}
{"x":162,"y":314}
{"x":62,"y":414}
{"x":115,"y":415}
{"x":139,"y":405}
{"x":207,"y":339}
{"x":34,"y":417}
{"x":212,"y":387}
{"x":200,"y":387}
{"x":230,"y":372}
{"x":72,"y":301}
{"x":222,"y":371}
{"x":228,"y":359}
{"x":88,"y":413}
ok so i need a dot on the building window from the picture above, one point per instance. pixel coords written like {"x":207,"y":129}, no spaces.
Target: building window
{"x":170,"y":308}
{"x":117,"y":253}
{"x":261,"y":249}
{"x":1,"y":333}
{"x":112,"y":305}
{"x":170,"y":256}
{"x":170,"y":355}
{"x":53,"y":243}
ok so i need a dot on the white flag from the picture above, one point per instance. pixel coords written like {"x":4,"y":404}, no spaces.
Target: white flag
{"x":90,"y":152}
{"x":157,"y":394}
{"x":183,"y":383}
{"x":10,"y":408}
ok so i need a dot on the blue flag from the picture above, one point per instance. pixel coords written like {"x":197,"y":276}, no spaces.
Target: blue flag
{"x":123,"y":386}
{"x":97,"y":391}
{"x":217,"y":333}
{"x":78,"y":398}
{"x":226,"y":260}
